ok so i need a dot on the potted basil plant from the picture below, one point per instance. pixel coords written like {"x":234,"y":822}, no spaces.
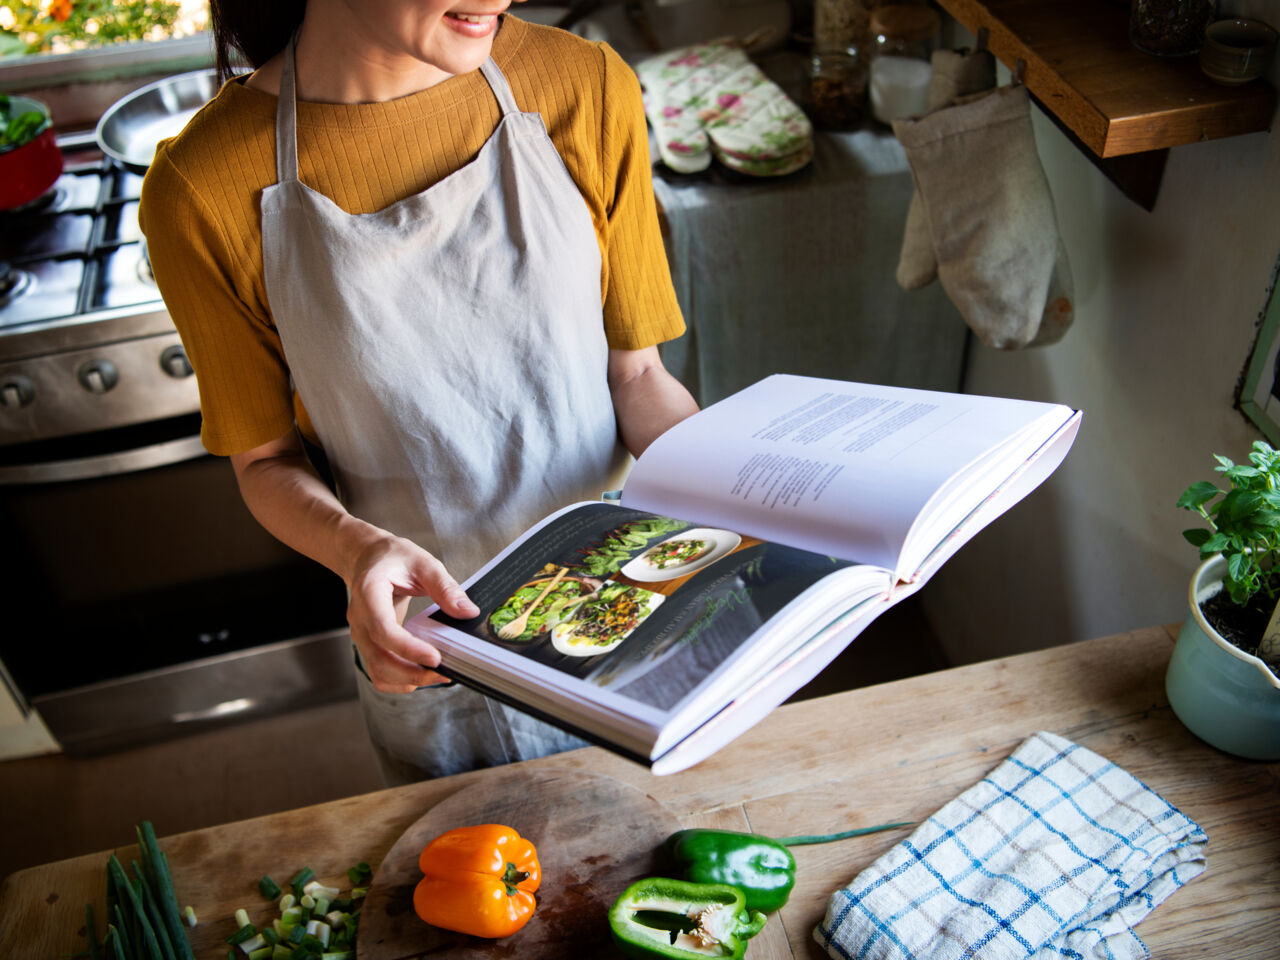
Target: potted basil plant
{"x":1223,"y":681}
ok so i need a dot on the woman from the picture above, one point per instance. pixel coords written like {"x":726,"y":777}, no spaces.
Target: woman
{"x":423,"y":235}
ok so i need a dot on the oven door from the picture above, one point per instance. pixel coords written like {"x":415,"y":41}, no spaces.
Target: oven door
{"x":143,"y":600}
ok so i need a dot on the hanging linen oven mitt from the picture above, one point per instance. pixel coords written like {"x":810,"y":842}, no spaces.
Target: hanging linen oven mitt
{"x":1057,"y":853}
{"x":709,"y":100}
{"x":954,"y":73}
{"x":990,"y":213}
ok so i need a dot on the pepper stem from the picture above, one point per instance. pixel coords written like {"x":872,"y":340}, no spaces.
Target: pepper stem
{"x":808,"y":838}
{"x":512,"y":877}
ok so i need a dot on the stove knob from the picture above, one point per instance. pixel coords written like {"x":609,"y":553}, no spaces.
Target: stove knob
{"x":98,"y":376}
{"x":17,"y":391}
{"x":174,"y":362}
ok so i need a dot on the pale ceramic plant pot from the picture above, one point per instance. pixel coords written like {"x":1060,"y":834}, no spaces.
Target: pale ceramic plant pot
{"x":1226,"y":697}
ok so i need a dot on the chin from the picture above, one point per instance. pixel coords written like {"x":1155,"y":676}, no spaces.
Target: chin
{"x":460,"y":58}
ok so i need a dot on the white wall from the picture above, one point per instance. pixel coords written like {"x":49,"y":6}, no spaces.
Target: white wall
{"x":1167,"y":305}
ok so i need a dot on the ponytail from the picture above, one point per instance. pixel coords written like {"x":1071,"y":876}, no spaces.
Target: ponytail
{"x":256,"y":29}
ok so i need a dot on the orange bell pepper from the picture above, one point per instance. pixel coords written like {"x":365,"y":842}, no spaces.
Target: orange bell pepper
{"x":478,"y":880}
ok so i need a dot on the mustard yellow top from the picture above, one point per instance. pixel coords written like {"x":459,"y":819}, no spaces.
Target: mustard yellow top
{"x":200,"y":212}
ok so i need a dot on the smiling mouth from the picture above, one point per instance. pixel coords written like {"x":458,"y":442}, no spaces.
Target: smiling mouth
{"x":473,"y":17}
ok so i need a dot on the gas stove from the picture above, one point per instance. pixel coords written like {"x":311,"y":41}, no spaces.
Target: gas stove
{"x":85,"y":342}
{"x":155,"y":596}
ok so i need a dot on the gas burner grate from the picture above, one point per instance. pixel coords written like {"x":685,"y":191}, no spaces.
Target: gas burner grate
{"x":80,"y":246}
{"x":14,"y":283}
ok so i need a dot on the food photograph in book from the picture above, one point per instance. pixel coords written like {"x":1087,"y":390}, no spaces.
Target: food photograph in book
{"x":643,"y":605}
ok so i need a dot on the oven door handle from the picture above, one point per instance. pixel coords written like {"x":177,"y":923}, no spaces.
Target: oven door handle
{"x":107,"y":464}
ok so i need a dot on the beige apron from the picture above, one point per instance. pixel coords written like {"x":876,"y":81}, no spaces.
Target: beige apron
{"x":450,"y":350}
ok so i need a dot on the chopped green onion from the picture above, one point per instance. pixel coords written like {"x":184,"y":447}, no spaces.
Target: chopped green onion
{"x":268,"y":888}
{"x":287,"y":901}
{"x":190,"y":914}
{"x":254,"y":943}
{"x":321,"y":906}
{"x":317,"y":889}
{"x":269,"y":934}
{"x":301,"y":878}
{"x":242,"y":917}
{"x":262,"y":953}
{"x":358,"y":892}
{"x":240,"y":936}
{"x":320,"y":930}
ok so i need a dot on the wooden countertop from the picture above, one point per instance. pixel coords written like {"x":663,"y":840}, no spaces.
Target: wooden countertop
{"x":896,"y":751}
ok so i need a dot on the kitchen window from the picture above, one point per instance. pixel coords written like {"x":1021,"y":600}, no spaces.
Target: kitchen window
{"x":45,"y":43}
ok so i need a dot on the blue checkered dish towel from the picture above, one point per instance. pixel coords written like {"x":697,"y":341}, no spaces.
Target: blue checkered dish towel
{"x":1057,"y":853}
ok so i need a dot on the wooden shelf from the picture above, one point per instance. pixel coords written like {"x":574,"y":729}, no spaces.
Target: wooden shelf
{"x":1082,"y":68}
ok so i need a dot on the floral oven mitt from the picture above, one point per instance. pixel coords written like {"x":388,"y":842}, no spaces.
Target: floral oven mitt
{"x":711,"y":100}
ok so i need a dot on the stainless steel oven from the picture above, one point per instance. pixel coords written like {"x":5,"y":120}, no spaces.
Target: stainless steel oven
{"x":141,"y":599}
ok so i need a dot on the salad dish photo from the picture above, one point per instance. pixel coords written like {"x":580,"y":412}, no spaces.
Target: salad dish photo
{"x":601,"y":622}
{"x":537,"y":606}
{"x":681,"y":555}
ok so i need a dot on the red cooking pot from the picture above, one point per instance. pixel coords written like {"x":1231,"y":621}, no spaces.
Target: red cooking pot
{"x":28,"y":171}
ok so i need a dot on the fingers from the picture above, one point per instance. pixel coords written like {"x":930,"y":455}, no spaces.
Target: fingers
{"x":437,"y":584}
{"x":387,"y":575}
{"x":392,"y":674}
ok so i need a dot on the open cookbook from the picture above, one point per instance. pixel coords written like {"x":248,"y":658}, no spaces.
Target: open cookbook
{"x":751,"y":544}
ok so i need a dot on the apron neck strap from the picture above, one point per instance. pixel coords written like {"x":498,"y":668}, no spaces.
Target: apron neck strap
{"x":501,"y":89}
{"x":287,"y":119}
{"x":287,"y":110}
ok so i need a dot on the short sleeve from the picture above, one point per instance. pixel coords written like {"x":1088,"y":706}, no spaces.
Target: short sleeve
{"x":245,"y":394}
{"x":640,"y":307}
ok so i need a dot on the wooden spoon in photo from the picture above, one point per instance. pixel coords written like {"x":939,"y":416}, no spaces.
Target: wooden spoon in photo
{"x":516,"y":627}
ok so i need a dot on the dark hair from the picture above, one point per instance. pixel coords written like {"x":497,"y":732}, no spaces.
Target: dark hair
{"x":256,"y":29}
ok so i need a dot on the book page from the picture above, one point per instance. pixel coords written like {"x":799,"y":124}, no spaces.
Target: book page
{"x":837,"y":468}
{"x":629,"y":615}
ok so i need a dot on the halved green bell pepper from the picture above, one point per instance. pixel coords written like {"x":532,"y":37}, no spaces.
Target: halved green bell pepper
{"x":761,"y":867}
{"x":679,"y":920}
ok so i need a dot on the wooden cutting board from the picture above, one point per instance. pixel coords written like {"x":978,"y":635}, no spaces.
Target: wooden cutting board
{"x":594,"y":836}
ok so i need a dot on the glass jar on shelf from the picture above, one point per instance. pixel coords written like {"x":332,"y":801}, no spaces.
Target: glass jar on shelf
{"x":1169,"y":28}
{"x":837,"y":90}
{"x":839,"y":26}
{"x":904,"y":37}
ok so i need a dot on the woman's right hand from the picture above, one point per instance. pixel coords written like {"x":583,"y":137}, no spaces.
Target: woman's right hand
{"x":386,"y":574}
{"x":382,"y":571}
